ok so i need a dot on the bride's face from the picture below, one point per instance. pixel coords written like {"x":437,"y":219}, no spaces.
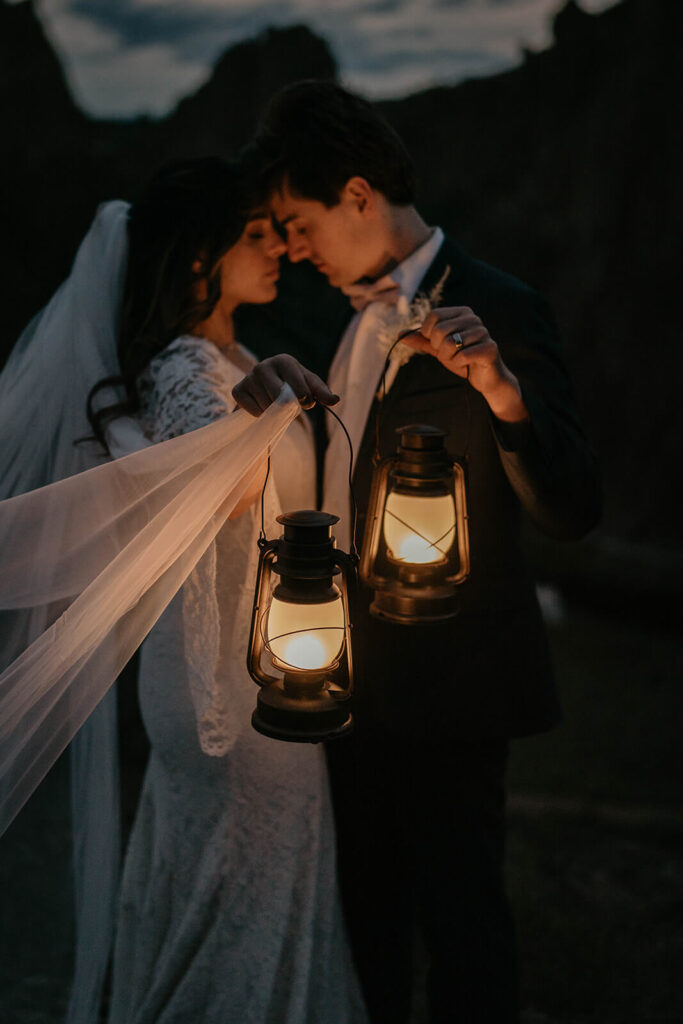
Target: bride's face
{"x":250,"y":269}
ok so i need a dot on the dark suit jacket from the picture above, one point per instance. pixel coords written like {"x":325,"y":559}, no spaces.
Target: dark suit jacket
{"x":487,"y":672}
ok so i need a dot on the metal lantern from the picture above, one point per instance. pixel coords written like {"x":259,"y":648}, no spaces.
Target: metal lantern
{"x":303,"y":624}
{"x":416,"y":544}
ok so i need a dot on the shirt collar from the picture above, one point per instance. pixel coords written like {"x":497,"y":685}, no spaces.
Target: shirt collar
{"x":410,"y":272}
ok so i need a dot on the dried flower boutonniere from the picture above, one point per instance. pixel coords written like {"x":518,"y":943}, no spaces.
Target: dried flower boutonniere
{"x":400,"y":319}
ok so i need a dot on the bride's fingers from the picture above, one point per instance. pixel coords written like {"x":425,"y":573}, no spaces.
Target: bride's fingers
{"x":288,"y":371}
{"x":306,"y":385}
{"x":251,"y":396}
{"x":245,"y":401}
{"x":262,"y":386}
{"x":318,"y":390}
{"x":271,"y":378}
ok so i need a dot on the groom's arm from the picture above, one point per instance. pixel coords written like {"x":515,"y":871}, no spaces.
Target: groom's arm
{"x":263,"y":384}
{"x":524,"y":381}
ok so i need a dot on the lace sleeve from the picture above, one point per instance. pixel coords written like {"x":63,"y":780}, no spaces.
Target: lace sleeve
{"x":185,"y":387}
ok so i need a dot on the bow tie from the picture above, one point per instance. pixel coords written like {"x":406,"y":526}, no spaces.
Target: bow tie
{"x":384,"y":289}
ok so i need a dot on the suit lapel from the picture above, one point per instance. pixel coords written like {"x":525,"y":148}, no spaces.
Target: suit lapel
{"x":449,"y":255}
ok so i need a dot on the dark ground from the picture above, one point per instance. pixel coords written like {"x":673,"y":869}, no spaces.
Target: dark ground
{"x":595,"y":855}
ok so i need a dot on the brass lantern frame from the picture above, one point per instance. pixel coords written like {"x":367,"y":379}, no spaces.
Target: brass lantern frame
{"x":410,"y":593}
{"x":301,"y":705}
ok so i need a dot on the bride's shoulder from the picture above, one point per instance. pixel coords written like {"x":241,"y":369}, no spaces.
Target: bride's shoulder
{"x":198,"y":353}
{"x":185,"y":359}
{"x":189,"y":350}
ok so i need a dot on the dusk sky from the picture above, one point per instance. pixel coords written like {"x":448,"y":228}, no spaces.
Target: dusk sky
{"x":127,"y":57}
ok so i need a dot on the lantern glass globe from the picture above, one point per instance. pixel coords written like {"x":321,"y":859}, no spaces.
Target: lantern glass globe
{"x":306,"y":636}
{"x":419,"y":529}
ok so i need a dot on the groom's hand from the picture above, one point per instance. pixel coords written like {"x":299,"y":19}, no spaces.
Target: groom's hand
{"x":459,"y":340}
{"x":261,"y":387}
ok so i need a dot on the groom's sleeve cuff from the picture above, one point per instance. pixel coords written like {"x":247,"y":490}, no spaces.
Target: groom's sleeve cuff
{"x":511,"y":436}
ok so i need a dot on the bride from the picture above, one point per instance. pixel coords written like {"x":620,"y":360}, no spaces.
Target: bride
{"x":228,"y":908}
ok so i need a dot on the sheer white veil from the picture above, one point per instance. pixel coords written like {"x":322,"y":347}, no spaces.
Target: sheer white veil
{"x":67,"y":347}
{"x":92,"y":552}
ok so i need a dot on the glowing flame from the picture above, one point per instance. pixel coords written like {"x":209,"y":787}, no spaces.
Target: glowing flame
{"x":306,"y":636}
{"x":305,"y":651}
{"x":418,"y":550}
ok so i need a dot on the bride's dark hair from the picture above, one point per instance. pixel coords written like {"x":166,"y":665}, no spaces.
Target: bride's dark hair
{"x":185,"y":219}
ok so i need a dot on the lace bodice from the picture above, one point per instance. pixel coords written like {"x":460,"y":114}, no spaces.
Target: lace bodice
{"x":185,"y":387}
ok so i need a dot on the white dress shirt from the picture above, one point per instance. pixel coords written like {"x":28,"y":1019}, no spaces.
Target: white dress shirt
{"x":355,"y":374}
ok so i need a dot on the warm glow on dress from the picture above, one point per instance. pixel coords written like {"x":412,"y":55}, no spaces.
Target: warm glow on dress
{"x":419,"y":529}
{"x":310,"y":635}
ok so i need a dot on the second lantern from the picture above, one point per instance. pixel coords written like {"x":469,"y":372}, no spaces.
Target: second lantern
{"x":416,"y":545}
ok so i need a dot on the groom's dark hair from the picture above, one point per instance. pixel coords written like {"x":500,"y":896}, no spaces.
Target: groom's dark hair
{"x":314,"y":136}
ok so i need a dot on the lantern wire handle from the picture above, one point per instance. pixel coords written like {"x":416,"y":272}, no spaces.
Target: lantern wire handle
{"x":354,"y":507}
{"x":262,"y":534}
{"x":376,"y":458}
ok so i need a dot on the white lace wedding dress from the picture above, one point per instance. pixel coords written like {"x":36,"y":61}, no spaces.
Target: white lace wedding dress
{"x":229,"y":911}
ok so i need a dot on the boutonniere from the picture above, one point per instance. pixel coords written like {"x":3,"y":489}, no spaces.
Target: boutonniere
{"x":400,"y":319}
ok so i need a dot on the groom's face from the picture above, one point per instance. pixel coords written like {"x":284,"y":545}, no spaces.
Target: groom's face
{"x":341,"y":240}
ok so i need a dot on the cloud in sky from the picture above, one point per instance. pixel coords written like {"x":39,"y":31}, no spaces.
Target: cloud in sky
{"x":141,"y":56}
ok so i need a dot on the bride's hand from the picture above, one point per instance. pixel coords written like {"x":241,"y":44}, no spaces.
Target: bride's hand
{"x":261,"y":387}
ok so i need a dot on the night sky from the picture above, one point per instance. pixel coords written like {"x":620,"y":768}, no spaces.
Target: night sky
{"x":127,"y":57}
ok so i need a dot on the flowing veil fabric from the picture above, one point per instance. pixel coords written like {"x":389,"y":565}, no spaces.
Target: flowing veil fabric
{"x":92,"y":553}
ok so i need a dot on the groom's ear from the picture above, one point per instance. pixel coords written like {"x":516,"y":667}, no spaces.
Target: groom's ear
{"x":359,"y":192}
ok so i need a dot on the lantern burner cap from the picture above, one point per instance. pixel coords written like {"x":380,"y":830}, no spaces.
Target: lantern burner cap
{"x":422,"y":459}
{"x":307,"y":517}
{"x":421,"y":437}
{"x":306,"y":550}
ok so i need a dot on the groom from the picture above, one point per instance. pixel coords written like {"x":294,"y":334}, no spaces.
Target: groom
{"x":418,"y":787}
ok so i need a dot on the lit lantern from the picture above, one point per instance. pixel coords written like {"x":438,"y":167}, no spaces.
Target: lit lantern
{"x":416,"y":544}
{"x":304,"y":626}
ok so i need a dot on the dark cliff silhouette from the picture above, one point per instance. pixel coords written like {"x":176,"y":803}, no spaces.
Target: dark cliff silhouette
{"x":564,"y":171}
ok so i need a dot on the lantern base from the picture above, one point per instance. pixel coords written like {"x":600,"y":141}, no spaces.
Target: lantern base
{"x":298,"y":718}
{"x":411,"y":609}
